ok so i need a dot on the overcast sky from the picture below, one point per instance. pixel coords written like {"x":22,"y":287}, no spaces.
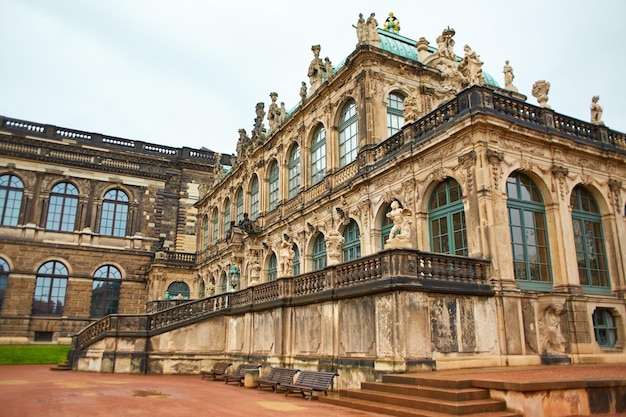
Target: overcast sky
{"x":190,"y":72}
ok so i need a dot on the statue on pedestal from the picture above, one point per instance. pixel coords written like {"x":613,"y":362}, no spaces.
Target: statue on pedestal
{"x":508,"y":77}
{"x":596,"y":111}
{"x":334,"y":245}
{"x":400,"y":233}
{"x":540,"y":91}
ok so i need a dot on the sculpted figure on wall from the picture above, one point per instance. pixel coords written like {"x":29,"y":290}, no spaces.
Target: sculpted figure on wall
{"x":540,"y":91}
{"x":508,"y":77}
{"x":316,"y":68}
{"x":472,"y":67}
{"x":334,"y":243}
{"x":596,"y":111}
{"x":285,"y":256}
{"x":553,"y":340}
{"x":400,"y":233}
{"x":411,"y":112}
{"x":445,"y":61}
{"x":361,"y":30}
{"x":372,"y":32}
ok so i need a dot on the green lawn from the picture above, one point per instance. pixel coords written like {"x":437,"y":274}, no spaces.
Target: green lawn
{"x":33,"y":354}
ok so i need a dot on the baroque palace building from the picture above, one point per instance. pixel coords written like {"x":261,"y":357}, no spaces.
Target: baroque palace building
{"x":408,"y":213}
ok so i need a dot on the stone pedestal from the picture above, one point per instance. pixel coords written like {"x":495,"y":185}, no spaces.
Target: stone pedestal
{"x":556,"y":360}
{"x":251,"y":375}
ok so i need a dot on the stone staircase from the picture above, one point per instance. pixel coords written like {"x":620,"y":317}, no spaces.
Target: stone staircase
{"x":417,"y":396}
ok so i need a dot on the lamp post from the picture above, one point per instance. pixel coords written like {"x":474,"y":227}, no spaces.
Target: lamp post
{"x":234,"y":277}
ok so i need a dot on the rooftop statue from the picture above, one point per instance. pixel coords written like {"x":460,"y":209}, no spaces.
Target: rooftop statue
{"x":508,"y":77}
{"x":328,"y":68}
{"x":316,"y":68}
{"x":372,"y":32}
{"x":596,"y":111}
{"x":392,"y":24}
{"x":258,"y":133}
{"x":303,"y":92}
{"x":540,"y":91}
{"x":472,"y":67}
{"x":273,"y":113}
{"x":444,"y":59}
{"x":361,"y":30}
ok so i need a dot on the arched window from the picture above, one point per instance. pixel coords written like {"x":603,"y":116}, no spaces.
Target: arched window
{"x":529,"y":240}
{"x":202,"y":289}
{"x":254,"y":197}
{"x":318,"y":155}
{"x":294,"y":172}
{"x":272,"y":269}
{"x":239,"y":205}
{"x":105,"y":292}
{"x":589,"y":241}
{"x":395,"y":113}
{"x":62,"y":207}
{"x":385,"y":227}
{"x":296,"y":260}
{"x":178,"y":289}
{"x":50,"y":287}
{"x":226,"y":210}
{"x":604,"y":327}
{"x":205,"y":232}
{"x":11,"y":193}
{"x":352,"y":242}
{"x":448,"y":233}
{"x":319,"y":253}
{"x":4,"y":279}
{"x":348,"y":134}
{"x":223,"y":283}
{"x":114,"y":213}
{"x":273,"y":186}
{"x":216,"y":226}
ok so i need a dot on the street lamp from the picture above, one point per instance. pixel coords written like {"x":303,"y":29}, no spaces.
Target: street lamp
{"x":234,"y":276}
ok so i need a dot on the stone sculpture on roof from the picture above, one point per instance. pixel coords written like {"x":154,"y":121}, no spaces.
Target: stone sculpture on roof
{"x":392,"y":24}
{"x":258,"y":133}
{"x":273,"y":113}
{"x":540,"y":91}
{"x":303,"y":92}
{"x":372,"y":30}
{"x":444,"y":59}
{"x":472,"y":67}
{"x":316,"y":68}
{"x":361,"y":30}
{"x":596,"y":111}
{"x":508,"y":77}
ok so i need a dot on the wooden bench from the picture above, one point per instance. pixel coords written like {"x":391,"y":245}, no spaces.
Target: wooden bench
{"x":310,"y":381}
{"x":277,"y":376}
{"x":239,"y":373}
{"x":217,"y":371}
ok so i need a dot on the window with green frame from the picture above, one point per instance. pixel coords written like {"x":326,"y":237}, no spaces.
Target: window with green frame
{"x":239,"y":205}
{"x":352,"y":242}
{"x":205,"y":232}
{"x":395,"y":113}
{"x":319,"y":253}
{"x":296,"y":260}
{"x":272,"y":269}
{"x":223,"y":283}
{"x":348,"y":134}
{"x":386,"y":226}
{"x":589,"y":242}
{"x":254,"y":197}
{"x":604,"y":327}
{"x":273,"y":186}
{"x":176,"y":288}
{"x":446,"y":213}
{"x":529,"y":240}
{"x":216,"y":226}
{"x":226,"y":211}
{"x":318,"y":155}
{"x":294,"y":171}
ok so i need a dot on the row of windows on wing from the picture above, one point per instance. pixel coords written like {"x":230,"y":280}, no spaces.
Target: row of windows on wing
{"x":448,"y":234}
{"x":63,"y":207}
{"x":347,"y":151}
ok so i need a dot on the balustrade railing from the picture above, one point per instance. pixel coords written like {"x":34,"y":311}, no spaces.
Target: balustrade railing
{"x":415,"y":270}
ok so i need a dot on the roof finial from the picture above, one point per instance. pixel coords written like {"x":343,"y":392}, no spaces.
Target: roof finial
{"x":392,"y":24}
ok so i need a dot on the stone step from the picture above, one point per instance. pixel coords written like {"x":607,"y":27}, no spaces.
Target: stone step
{"x":450,"y":394}
{"x":65,"y":366}
{"x":414,"y":379}
{"x":402,"y":411}
{"x":464,"y":407}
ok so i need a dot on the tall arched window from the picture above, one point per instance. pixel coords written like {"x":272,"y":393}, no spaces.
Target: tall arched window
{"x":114,"y":213}
{"x":294,"y":172}
{"x":352,"y":242}
{"x":395,"y":113}
{"x":318,"y":155}
{"x":296,"y":260}
{"x":226,"y":210}
{"x":448,"y":233}
{"x":50,"y":287}
{"x":11,"y":193}
{"x":254,"y":197}
{"x":62,"y":207}
{"x":272,"y":269}
{"x":239,"y":205}
{"x":319,"y":253}
{"x":348,"y":134}
{"x":589,"y":241}
{"x":216,"y":226}
{"x":385,"y":227}
{"x":205,"y":232}
{"x":178,"y":289}
{"x":529,"y":240}
{"x":273,"y":186}
{"x":4,"y":279}
{"x":105,"y":291}
{"x":223,"y":283}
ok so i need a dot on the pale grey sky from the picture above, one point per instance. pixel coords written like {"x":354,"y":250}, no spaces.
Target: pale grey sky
{"x":190,"y":72}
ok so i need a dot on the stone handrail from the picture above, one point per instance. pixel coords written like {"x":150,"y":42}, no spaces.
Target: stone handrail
{"x":400,"y":269}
